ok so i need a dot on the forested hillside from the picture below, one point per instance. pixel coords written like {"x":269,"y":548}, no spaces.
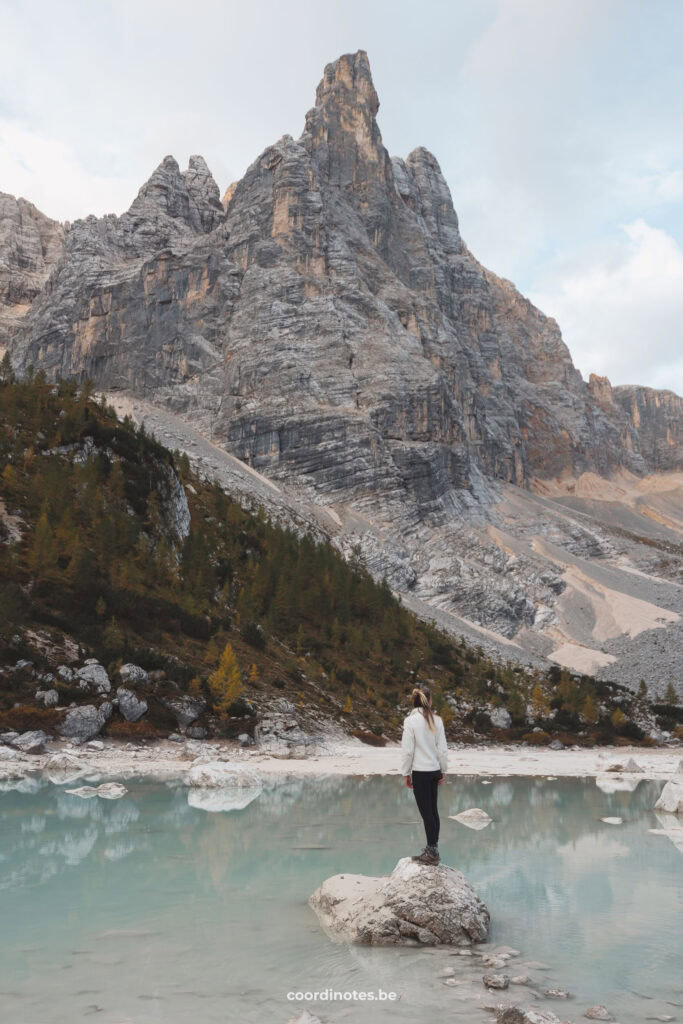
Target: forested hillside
{"x":112,"y":547}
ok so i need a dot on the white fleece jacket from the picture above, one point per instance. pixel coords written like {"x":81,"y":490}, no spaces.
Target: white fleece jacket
{"x":421,"y":749}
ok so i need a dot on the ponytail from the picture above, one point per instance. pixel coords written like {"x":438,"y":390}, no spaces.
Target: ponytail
{"x":421,"y":700}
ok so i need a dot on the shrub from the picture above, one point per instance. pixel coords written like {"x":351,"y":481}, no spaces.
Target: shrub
{"x":371,"y":738}
{"x":26,"y":718}
{"x":536,"y":739}
{"x":119,"y":728}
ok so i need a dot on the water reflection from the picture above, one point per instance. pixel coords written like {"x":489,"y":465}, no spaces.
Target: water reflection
{"x":214,"y":905}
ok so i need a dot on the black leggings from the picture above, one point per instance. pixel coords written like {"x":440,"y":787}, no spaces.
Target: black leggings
{"x":426,"y":790}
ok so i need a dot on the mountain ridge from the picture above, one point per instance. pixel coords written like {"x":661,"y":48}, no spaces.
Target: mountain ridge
{"x":329,"y":327}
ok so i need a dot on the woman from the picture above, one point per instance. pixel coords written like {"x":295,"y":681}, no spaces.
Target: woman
{"x":424,"y":764}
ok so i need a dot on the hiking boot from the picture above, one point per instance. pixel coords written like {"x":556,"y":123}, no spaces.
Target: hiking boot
{"x":430,"y":855}
{"x":418,"y":856}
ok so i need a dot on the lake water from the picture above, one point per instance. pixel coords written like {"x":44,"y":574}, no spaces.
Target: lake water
{"x":147,"y":910}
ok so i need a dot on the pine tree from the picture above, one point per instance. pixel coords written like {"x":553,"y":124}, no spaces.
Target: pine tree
{"x":225,"y":683}
{"x":590,"y":710}
{"x":540,"y":708}
{"x":671,"y":696}
{"x":43,"y":554}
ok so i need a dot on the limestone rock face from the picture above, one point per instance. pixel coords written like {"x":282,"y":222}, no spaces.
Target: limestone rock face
{"x":416,"y":903}
{"x":30,"y":246}
{"x":327,"y":324}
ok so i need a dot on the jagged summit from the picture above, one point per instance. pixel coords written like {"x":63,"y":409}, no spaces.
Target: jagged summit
{"x":328,"y":325}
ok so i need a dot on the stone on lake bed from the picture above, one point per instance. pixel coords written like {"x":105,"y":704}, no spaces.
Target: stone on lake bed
{"x":557,"y":993}
{"x":613,"y":821}
{"x":497,"y":981}
{"x":520,"y":979}
{"x":305,"y":1018}
{"x":519,"y":1015}
{"x":598,"y":1013}
{"x":670,"y":799}
{"x":416,"y":903}
{"x":473,"y":818}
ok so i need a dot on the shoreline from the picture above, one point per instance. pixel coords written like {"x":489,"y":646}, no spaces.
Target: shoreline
{"x":168,"y":761}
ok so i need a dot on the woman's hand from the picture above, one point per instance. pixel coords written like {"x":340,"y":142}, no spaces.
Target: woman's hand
{"x":442,"y":778}
{"x":409,"y":782}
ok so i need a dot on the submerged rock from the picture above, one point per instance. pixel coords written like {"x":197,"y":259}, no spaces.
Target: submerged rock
{"x":598,"y":1013}
{"x":416,"y":903}
{"x":498,"y":981}
{"x":670,"y":799}
{"x":519,"y":1015}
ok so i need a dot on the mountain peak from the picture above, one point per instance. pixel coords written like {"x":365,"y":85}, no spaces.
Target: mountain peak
{"x":349,"y":79}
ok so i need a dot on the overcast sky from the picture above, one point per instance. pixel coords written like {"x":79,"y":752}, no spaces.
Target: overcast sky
{"x":557,"y":124}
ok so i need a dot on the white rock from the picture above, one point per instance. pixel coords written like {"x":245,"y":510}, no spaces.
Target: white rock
{"x":111,"y":790}
{"x":500,"y":718}
{"x":427,"y":904}
{"x":612,"y":784}
{"x":108,"y":791}
{"x":32,"y":742}
{"x":473,"y":818}
{"x":230,"y":799}
{"x":133,"y":675}
{"x":50,"y":698}
{"x":8,"y":754}
{"x":93,"y":674}
{"x":223,"y":774}
{"x":63,"y":767}
{"x":613,"y":821}
{"x":305,"y":1018}
{"x":671,"y":798}
{"x":632,"y":766}
{"x":130,"y":706}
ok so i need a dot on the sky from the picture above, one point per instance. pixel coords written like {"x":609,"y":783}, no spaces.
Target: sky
{"x":557,"y":124}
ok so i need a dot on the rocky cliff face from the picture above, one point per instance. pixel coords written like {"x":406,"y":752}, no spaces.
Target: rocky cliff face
{"x":327,"y":324}
{"x":30,"y":246}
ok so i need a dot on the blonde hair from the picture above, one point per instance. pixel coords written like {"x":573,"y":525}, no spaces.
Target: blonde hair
{"x":421,"y":700}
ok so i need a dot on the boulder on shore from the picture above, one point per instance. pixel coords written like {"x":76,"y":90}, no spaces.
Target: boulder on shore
{"x":416,"y":903}
{"x":671,"y":798}
{"x":83,"y":723}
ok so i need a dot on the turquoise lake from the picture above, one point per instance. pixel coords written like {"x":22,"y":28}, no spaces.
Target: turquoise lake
{"x":147,"y":910}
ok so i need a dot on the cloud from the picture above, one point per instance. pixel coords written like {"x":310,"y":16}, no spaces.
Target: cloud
{"x":49,"y":174}
{"x":621,"y":307}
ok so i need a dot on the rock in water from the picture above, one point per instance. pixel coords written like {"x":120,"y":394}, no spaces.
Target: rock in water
{"x":223,"y":775}
{"x":518,"y":1015}
{"x":671,"y":798}
{"x":499,"y":981}
{"x":598,"y":1013}
{"x":474,"y":818}
{"x":415,"y":903}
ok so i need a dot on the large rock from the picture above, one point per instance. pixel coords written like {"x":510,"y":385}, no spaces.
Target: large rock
{"x":133,"y":675}
{"x":94,"y":676}
{"x":85,"y":722}
{"x":32,"y":742}
{"x":130,"y":705}
{"x":671,"y":798}
{"x":186,"y":710}
{"x":63,"y":767}
{"x":223,"y":774}
{"x":416,"y":903}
